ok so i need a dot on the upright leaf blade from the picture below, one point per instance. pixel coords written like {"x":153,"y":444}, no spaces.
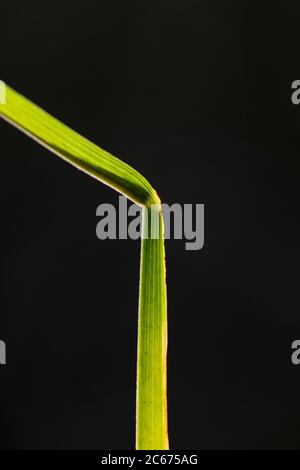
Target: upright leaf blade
{"x":151,"y":422}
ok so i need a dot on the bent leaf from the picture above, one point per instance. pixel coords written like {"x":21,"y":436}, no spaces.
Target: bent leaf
{"x":151,"y":409}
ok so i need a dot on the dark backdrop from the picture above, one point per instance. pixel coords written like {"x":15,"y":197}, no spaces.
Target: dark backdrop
{"x":197,"y":96}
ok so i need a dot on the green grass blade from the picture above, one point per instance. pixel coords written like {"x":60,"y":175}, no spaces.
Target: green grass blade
{"x":74,"y":148}
{"x":151,"y":418}
{"x":151,"y":423}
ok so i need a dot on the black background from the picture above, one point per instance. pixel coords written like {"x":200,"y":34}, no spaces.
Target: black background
{"x":197,"y":96}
